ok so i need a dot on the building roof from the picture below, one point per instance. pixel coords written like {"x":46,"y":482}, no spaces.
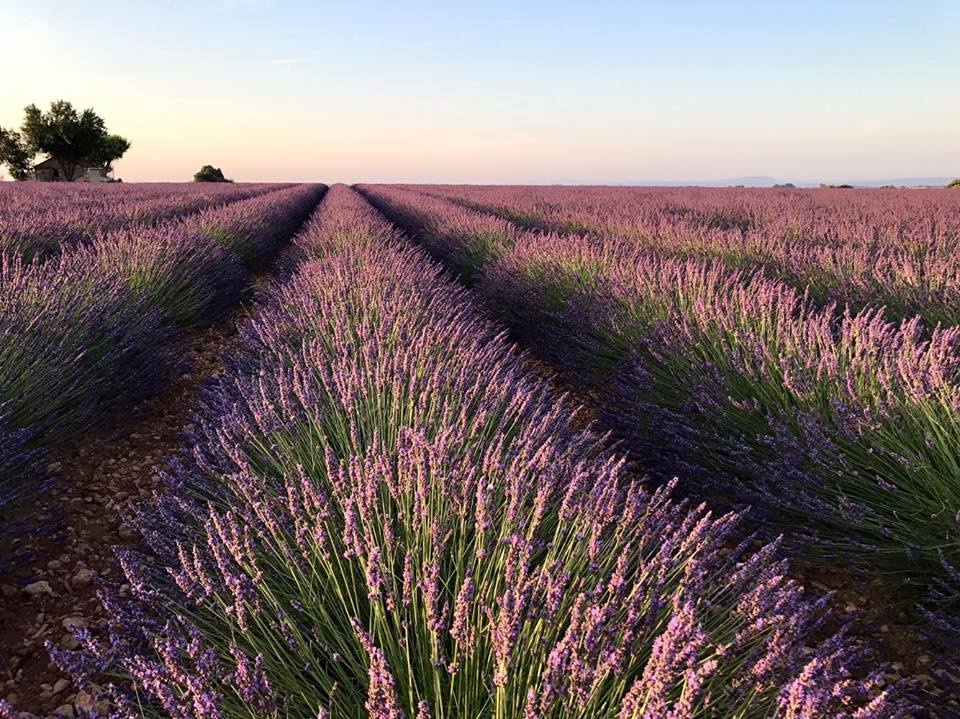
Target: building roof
{"x":51,"y":163}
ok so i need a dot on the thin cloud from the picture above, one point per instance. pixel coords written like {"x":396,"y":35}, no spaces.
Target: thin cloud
{"x":289,"y":61}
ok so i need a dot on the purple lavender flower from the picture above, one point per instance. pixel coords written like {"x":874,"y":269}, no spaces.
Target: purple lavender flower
{"x":380,"y":490}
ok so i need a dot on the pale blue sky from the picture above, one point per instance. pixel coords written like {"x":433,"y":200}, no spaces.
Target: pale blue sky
{"x":501,"y":91}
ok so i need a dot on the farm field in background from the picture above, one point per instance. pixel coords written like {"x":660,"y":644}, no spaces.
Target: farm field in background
{"x":442,"y":451}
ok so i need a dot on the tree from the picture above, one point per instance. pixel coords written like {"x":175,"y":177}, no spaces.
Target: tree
{"x":955,"y":183}
{"x":111,"y":148}
{"x":209,"y":173}
{"x":14,"y":154}
{"x":69,"y":137}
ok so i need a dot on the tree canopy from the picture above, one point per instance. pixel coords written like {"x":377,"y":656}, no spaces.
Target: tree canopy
{"x":209,"y":173}
{"x":111,"y":148}
{"x":14,"y":154}
{"x":72,"y":138}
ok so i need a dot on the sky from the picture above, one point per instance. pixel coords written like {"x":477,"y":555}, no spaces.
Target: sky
{"x":500,"y":91}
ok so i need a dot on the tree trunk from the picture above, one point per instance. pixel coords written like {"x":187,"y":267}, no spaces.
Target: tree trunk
{"x":68,"y":169}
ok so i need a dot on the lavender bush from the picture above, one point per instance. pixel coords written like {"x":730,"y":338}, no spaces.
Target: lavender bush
{"x":39,"y":220}
{"x":385,"y":514}
{"x":17,"y":457}
{"x":842,"y":427}
{"x":92,"y":328}
{"x":73,"y":335}
{"x":894,"y":248}
{"x":254,"y":230}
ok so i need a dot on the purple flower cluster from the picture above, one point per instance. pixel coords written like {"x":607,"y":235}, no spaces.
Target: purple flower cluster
{"x":839,"y":426}
{"x":91,"y":328}
{"x":386,"y":514}
{"x":39,"y":220}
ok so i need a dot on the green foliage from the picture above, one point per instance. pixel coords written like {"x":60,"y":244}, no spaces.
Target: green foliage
{"x":15,"y":154}
{"x":209,"y":173}
{"x":111,"y":148}
{"x":70,"y":137}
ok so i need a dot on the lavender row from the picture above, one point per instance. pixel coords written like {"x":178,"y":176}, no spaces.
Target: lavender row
{"x":37,"y":221}
{"x":386,"y":515}
{"x":897,"y":248}
{"x":841,"y":428}
{"x":30,"y":198}
{"x":92,"y":329}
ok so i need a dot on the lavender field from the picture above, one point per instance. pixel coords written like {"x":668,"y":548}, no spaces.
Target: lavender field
{"x":444,"y":451}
